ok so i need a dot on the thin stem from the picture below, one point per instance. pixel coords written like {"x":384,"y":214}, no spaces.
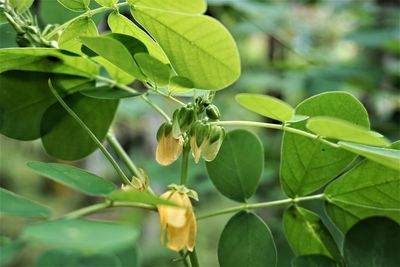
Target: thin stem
{"x":105,"y":205}
{"x":193,"y":258}
{"x":157,"y":108}
{"x":184,"y":258}
{"x":116,"y":84}
{"x":262,"y":205}
{"x":112,"y":140}
{"x":185,"y":164}
{"x":169,"y":97}
{"x":121,"y":174}
{"x":276,"y":126}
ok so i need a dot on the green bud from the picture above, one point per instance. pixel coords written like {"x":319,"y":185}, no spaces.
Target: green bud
{"x":216,"y":133}
{"x":213,"y":112}
{"x":160,"y":132}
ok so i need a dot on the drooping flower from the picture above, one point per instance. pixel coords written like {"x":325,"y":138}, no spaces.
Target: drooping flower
{"x":206,"y":141}
{"x":179,"y":222}
{"x":169,"y":148}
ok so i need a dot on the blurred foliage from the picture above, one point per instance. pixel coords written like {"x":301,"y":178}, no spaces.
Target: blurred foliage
{"x":289,"y":49}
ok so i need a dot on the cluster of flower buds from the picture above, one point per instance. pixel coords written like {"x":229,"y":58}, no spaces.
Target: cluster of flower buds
{"x":204,"y":139}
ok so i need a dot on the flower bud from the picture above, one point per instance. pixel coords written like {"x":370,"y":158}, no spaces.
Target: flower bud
{"x":182,"y":120}
{"x":200,"y":133}
{"x":213,"y":144}
{"x":169,"y":148}
{"x":213,"y":112}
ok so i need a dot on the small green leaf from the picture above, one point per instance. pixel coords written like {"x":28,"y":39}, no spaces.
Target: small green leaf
{"x":211,"y":63}
{"x":115,"y":52}
{"x":121,"y":24}
{"x":80,"y":234}
{"x":308,"y":235}
{"x":346,"y":131}
{"x":157,"y":72}
{"x":308,"y":164}
{"x":313,"y":260}
{"x":107,"y":3}
{"x":76,"y":178}
{"x":69,"y":39}
{"x":64,"y":138}
{"x":369,"y":189}
{"x":385,"y":156}
{"x":20,"y":6}
{"x":372,"y":243}
{"x":246,"y":241}
{"x":266,"y":106}
{"x":46,"y":60}
{"x":75,"y":5}
{"x":184,"y":6}
{"x":15,"y":205}
{"x":237,"y":169}
{"x":139,"y":197}
{"x":107,"y":92}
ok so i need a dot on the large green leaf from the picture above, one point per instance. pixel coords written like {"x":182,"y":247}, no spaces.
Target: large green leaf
{"x":157,"y":72}
{"x":193,"y":6}
{"x":267,"y":106}
{"x":237,"y":169}
{"x":75,"y":5}
{"x":121,"y":24}
{"x":14,"y":205}
{"x":246,"y":241}
{"x":372,"y":242}
{"x":80,"y":234}
{"x":69,"y":39}
{"x":211,"y":60}
{"x":308,"y":164}
{"x":307,"y":234}
{"x":64,"y":138}
{"x":314,"y":260}
{"x":24,"y":98}
{"x":107,"y":92}
{"x":76,"y":178}
{"x":115,"y":52}
{"x":139,"y":197}
{"x":20,"y":6}
{"x":107,"y":3}
{"x":369,"y":189}
{"x":345,"y":131}
{"x":388,"y":157}
{"x":49,"y":60}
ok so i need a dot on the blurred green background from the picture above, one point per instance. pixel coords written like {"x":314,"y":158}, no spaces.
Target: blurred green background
{"x":289,"y":49}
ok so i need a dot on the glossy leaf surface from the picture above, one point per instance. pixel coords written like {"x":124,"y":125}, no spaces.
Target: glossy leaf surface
{"x":75,"y":5}
{"x":69,"y":39}
{"x":191,"y":7}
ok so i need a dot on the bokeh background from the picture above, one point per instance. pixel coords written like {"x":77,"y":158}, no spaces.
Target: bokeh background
{"x":289,"y":49}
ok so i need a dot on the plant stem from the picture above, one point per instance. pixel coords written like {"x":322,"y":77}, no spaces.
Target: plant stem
{"x":193,"y":258}
{"x":116,"y":84}
{"x":184,"y":258}
{"x":275,"y":126}
{"x":121,"y":174}
{"x":105,"y":205}
{"x":157,"y":108}
{"x":185,"y":164}
{"x":262,"y":205}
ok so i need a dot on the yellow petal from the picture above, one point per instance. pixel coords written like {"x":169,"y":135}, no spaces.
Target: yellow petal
{"x":192,"y":231}
{"x":176,"y":216}
{"x":168,"y":150}
{"x":177,"y":237}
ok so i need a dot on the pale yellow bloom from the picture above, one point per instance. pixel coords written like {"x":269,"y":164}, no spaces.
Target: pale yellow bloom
{"x":169,"y":149}
{"x":180,"y":223}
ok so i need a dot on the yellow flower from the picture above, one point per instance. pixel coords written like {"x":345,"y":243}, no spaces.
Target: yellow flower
{"x":169,"y":148}
{"x":180,"y":223}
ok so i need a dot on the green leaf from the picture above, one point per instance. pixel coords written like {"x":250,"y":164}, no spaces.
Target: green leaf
{"x":388,"y":157}
{"x":314,"y":260}
{"x":15,"y":205}
{"x":72,"y":257}
{"x":69,"y":39}
{"x":9,"y":250}
{"x":184,"y":6}
{"x":372,"y":243}
{"x":20,"y":6}
{"x":107,"y":92}
{"x":211,"y":63}
{"x":73,"y":177}
{"x":115,"y":52}
{"x":63,"y":137}
{"x":346,"y":131}
{"x":75,"y":5}
{"x":80,"y":234}
{"x":157,"y":72}
{"x":237,"y":169}
{"x":25,"y":96}
{"x":369,"y":189}
{"x":49,"y":60}
{"x":121,"y":24}
{"x":307,"y":234}
{"x":246,"y":241}
{"x":139,"y":197}
{"x":266,"y":106}
{"x":107,"y":3}
{"x":179,"y":84}
{"x":308,"y":164}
